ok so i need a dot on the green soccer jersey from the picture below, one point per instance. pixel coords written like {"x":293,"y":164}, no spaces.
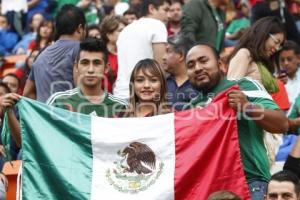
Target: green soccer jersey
{"x":75,"y":101}
{"x":61,"y":3}
{"x":91,"y":15}
{"x":237,"y":25}
{"x":295,"y":111}
{"x":253,"y":152}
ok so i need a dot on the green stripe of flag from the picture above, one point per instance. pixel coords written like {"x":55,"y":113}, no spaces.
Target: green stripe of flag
{"x":59,"y":152}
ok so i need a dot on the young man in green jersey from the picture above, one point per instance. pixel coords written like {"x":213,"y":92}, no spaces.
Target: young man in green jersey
{"x":256,"y":111}
{"x":89,"y":97}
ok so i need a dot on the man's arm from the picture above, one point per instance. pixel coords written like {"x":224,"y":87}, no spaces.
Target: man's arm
{"x":83,"y":4}
{"x":293,"y":161}
{"x":239,"y":64}
{"x":29,"y":89}
{"x":294,"y":124}
{"x":7,"y":102}
{"x":32,"y":3}
{"x":273,"y":121}
{"x":191,"y":16}
{"x":294,"y":117}
{"x":159,"y":50}
{"x":296,"y":149}
{"x":14,"y":127}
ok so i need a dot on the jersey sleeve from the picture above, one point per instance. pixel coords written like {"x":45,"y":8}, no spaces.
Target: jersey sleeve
{"x":256,"y":93}
{"x":294,"y":113}
{"x":191,"y":18}
{"x":54,"y":100}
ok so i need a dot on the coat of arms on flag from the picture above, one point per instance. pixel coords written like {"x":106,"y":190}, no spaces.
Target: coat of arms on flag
{"x":137,"y":170}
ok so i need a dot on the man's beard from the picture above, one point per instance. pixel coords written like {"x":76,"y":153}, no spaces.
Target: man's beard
{"x":175,"y":21}
{"x":214,"y":79}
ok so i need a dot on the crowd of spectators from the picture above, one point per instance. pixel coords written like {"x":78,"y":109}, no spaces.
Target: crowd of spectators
{"x":175,"y":54}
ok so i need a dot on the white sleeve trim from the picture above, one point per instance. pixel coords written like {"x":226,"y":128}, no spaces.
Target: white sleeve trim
{"x":257,"y":94}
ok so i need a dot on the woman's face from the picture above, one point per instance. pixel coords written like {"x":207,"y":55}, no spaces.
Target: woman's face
{"x":273,"y":43}
{"x":94,"y":33}
{"x":36,"y":21}
{"x":46,"y":30}
{"x":113,"y":37}
{"x":147,"y":87}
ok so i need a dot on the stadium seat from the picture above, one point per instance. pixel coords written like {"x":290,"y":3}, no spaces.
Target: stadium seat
{"x":11,"y":169}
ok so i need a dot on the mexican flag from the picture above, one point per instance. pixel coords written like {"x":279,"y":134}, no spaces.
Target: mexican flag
{"x":184,"y":156}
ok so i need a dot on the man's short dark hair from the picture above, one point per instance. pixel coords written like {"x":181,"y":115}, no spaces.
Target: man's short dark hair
{"x":93,"y":45}
{"x":131,"y":11}
{"x":287,"y":176}
{"x":181,"y":2}
{"x":213,"y":49}
{"x":291,"y":45}
{"x":68,"y":19}
{"x":178,"y":44}
{"x":146,"y":3}
{"x":93,"y":27}
{"x":224,"y":194}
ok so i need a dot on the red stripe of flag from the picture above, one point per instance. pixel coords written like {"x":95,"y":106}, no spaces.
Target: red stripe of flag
{"x":207,"y":152}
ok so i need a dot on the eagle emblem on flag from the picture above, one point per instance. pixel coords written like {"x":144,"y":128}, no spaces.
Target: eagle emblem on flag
{"x":136,"y":170}
{"x":139,"y":157}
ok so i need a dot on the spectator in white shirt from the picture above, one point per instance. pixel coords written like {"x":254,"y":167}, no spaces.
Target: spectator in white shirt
{"x":144,"y":38}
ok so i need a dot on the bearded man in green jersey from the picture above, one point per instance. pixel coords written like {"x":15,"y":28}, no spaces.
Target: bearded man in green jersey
{"x":255,"y":107}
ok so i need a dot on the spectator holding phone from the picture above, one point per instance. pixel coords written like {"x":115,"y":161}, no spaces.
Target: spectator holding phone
{"x":290,"y":73}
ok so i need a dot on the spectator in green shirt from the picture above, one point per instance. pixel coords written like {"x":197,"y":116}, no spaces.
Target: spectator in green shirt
{"x":237,"y":27}
{"x":93,"y":11}
{"x":61,"y":3}
{"x":87,"y":98}
{"x":256,"y":111}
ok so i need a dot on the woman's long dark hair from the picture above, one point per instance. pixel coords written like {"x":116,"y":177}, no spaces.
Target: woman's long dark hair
{"x":254,"y":40}
{"x":148,"y":66}
{"x":39,"y":38}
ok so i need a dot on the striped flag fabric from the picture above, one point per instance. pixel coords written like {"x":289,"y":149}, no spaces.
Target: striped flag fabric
{"x":184,"y":155}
